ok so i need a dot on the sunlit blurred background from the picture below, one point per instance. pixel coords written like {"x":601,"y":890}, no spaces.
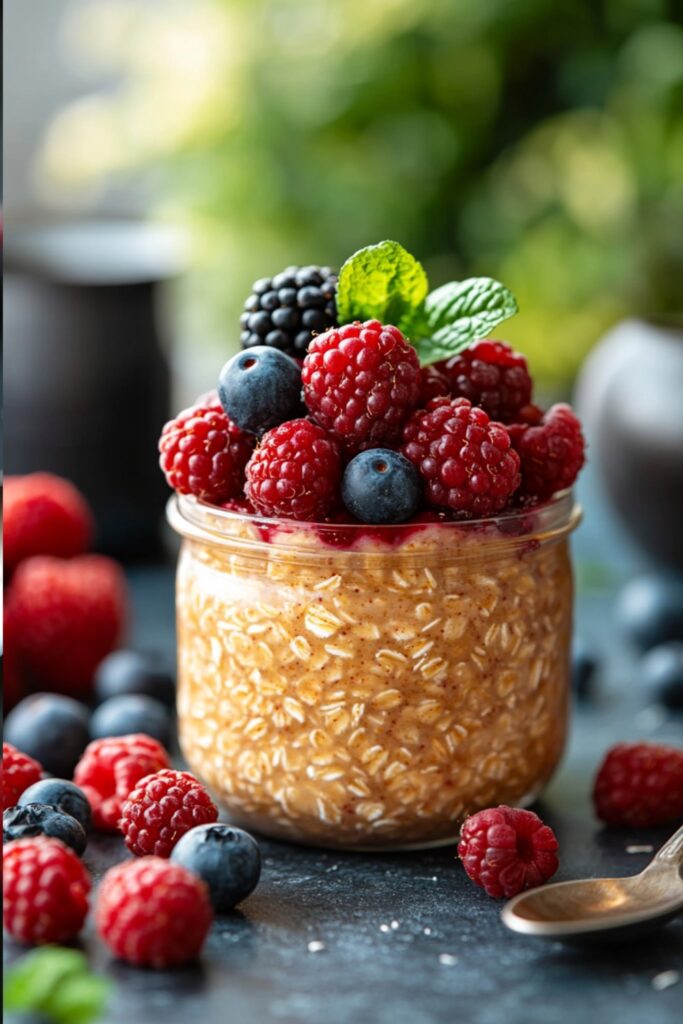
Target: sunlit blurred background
{"x":538,"y":141}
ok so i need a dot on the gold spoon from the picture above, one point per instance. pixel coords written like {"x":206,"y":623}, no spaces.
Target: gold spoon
{"x":603,"y":907}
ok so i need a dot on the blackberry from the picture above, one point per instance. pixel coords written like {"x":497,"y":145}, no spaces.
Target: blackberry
{"x":285,"y":311}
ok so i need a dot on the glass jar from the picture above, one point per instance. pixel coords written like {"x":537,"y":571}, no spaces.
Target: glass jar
{"x":367,"y":687}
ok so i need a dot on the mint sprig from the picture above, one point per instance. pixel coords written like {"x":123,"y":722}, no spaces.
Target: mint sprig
{"x":458,"y":313}
{"x":381,"y":282}
{"x":384,"y":282}
{"x":57,"y":983}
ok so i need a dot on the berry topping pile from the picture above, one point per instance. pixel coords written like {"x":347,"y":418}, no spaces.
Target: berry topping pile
{"x":285,"y":311}
{"x":204,"y":453}
{"x":466,"y":460}
{"x":334,"y":366}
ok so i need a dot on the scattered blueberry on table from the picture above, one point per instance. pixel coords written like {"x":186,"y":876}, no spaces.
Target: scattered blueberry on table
{"x":661,"y":673}
{"x":650,"y":610}
{"x":28,"y":820}
{"x":134,"y":672}
{"x":131,"y":713}
{"x":52,"y":728}
{"x":225,"y":857}
{"x":585,"y":662}
{"x":66,"y":796}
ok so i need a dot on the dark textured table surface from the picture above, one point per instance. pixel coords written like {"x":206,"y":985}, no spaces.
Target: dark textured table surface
{"x":407,"y":938}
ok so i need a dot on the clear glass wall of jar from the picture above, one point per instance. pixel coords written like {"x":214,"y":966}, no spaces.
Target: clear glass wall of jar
{"x":367,"y":687}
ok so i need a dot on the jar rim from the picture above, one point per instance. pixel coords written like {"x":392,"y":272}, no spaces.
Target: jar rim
{"x":197,"y":520}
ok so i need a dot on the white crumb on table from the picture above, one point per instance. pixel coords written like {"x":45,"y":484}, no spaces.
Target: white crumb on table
{"x":316,"y":946}
{"x":447,"y":959}
{"x":665,"y":980}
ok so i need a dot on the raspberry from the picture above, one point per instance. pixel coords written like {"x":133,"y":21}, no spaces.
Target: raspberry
{"x":466,"y":459}
{"x":45,"y":891}
{"x":44,"y":515}
{"x":284,"y":311}
{"x":295,"y":472}
{"x":551,"y":451}
{"x":361,"y":383}
{"x":490,"y":374}
{"x":204,"y":453}
{"x":66,"y":616}
{"x":506,"y":850}
{"x":19,"y":771}
{"x":640,"y":784}
{"x":433,"y":383}
{"x":111,"y":768}
{"x":152,"y":913}
{"x":161,"y":809}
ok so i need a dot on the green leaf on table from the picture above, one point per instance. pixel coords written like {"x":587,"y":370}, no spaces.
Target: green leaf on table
{"x":56,"y":982}
{"x":381,"y":282}
{"x":458,"y":313}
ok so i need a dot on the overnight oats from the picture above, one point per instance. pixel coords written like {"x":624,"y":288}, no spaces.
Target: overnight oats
{"x":374,"y":591}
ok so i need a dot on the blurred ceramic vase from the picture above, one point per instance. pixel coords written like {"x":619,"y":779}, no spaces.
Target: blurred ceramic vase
{"x":630,"y":394}
{"x":86,"y":378}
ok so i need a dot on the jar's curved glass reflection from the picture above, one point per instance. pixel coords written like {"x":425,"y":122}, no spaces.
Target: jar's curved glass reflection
{"x":368,"y":687}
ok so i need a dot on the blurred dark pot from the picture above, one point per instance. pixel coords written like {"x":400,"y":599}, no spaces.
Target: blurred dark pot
{"x":86,"y":379}
{"x":630,"y":395}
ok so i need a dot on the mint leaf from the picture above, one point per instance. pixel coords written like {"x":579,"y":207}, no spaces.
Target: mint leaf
{"x":56,"y":982}
{"x":381,"y":282}
{"x":458,"y":313}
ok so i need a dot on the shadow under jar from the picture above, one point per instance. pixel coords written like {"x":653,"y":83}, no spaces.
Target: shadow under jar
{"x":367,"y":687}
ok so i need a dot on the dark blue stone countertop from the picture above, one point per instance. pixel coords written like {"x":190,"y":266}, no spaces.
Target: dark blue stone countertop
{"x":407,"y":938}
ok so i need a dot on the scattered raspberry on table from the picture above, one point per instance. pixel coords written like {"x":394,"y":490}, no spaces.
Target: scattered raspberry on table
{"x":45,"y":891}
{"x":110,"y":768}
{"x":506,"y":850}
{"x":19,"y":771}
{"x":66,"y":616}
{"x":640,"y":785}
{"x":204,"y":453}
{"x":295,"y":472}
{"x":161,"y":809}
{"x":153,"y":913}
{"x":465,"y":458}
{"x":361,"y":382}
{"x":44,"y":514}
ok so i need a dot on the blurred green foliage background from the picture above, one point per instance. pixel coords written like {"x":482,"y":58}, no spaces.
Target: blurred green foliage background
{"x":538,"y":141}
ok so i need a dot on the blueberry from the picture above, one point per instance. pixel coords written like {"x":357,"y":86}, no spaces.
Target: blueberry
{"x":381,"y":486}
{"x":28,"y":820}
{"x":584,"y":666}
{"x":51,"y":728}
{"x":260,"y":388}
{"x":650,"y":610}
{"x":226,"y":858}
{"x":662,"y":674}
{"x":131,"y":712}
{"x":66,"y":796}
{"x":142,"y":672}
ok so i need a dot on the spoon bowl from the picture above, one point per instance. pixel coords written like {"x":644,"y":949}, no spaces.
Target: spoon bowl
{"x":603,"y":908}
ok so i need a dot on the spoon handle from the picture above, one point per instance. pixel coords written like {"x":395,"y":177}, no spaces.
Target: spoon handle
{"x":672,"y":851}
